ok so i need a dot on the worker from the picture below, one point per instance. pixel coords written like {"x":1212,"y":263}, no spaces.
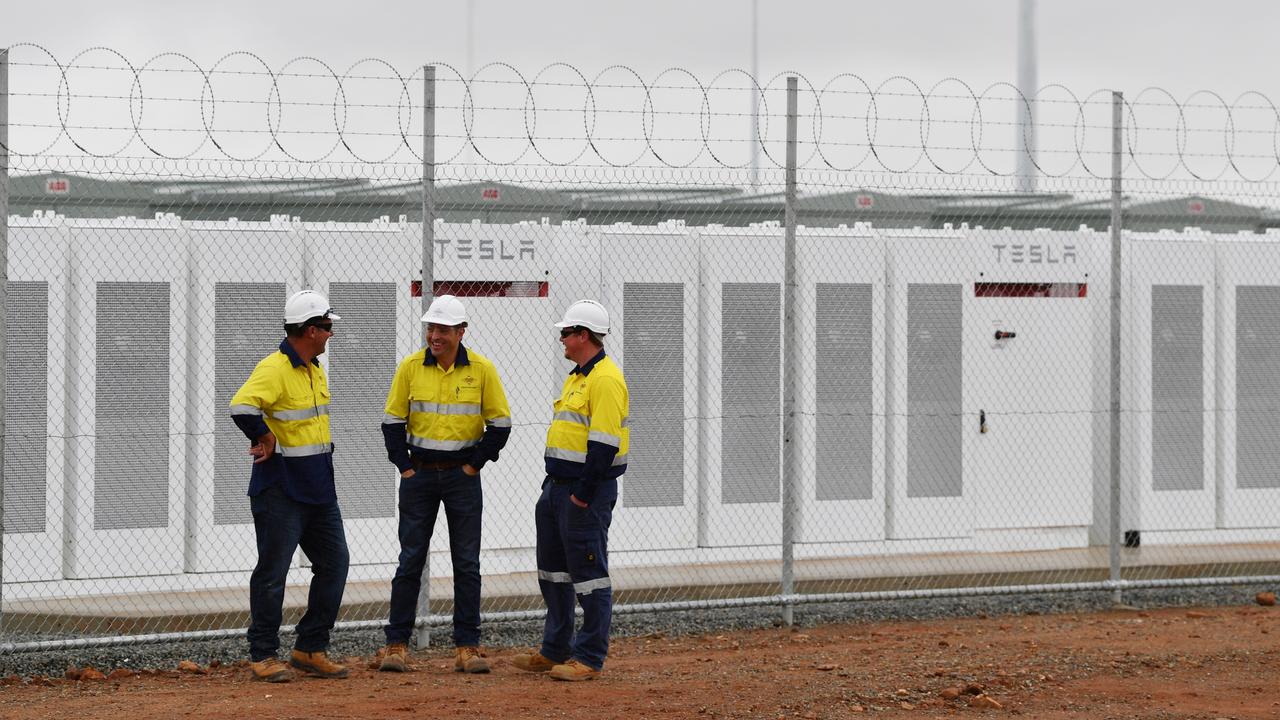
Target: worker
{"x":446,"y":417}
{"x":586,"y":453}
{"x":283,"y":408}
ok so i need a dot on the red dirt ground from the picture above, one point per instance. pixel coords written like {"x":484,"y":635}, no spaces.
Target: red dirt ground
{"x":1172,"y":663}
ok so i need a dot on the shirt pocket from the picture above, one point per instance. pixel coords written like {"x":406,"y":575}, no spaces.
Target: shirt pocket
{"x":468,"y":395}
{"x":576,"y":402}
{"x":423,"y":389}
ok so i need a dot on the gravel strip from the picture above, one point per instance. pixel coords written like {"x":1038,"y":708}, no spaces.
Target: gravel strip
{"x":683,"y":622}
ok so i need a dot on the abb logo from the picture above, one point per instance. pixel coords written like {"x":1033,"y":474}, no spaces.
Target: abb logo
{"x":1195,"y":207}
{"x":864,"y":202}
{"x":489,"y":194}
{"x":57,"y":186}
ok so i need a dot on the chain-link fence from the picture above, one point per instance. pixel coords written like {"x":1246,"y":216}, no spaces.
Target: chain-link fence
{"x":867,"y":356}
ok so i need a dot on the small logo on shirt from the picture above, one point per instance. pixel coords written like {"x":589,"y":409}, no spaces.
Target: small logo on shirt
{"x":468,"y":380}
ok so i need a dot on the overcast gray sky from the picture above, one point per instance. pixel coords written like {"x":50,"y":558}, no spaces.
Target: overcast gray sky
{"x":1226,"y":45}
{"x":1085,"y":45}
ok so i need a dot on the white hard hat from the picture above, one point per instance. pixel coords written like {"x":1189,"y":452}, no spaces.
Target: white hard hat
{"x":446,"y":310}
{"x":306,"y":304}
{"x":587,"y":313}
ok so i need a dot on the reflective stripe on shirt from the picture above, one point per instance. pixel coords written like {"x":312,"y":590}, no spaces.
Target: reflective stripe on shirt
{"x":571,"y":456}
{"x":603,"y":437}
{"x":430,"y":444}
{"x":304,"y":450}
{"x":573,"y":417}
{"x":445,"y":408}
{"x":562,"y":454}
{"x":301,"y":413}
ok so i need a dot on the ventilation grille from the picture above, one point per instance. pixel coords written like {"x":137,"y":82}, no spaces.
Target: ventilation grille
{"x":131,"y":457}
{"x":653,"y":338}
{"x":750,"y":394}
{"x":843,"y":391}
{"x":246,"y":328}
{"x":26,"y":410}
{"x":362,"y":360}
{"x":934,"y":366}
{"x":1257,"y":387}
{"x":1177,"y":387}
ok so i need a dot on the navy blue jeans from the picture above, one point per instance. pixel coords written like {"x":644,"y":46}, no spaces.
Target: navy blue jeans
{"x":573,"y":562}
{"x":283,"y":525}
{"x":420,"y":498}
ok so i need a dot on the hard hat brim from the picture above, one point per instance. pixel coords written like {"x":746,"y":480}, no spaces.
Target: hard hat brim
{"x":327,"y":316}
{"x":562,"y":325}
{"x":442,"y":321}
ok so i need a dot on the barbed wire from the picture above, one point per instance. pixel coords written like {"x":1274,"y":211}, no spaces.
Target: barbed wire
{"x":674,"y":119}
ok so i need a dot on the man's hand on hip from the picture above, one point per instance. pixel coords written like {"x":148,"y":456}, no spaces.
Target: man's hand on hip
{"x":265,"y":448}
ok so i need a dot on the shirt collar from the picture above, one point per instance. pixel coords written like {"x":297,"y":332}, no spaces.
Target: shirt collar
{"x":292,"y":354}
{"x":585,"y":370}
{"x":462,"y":358}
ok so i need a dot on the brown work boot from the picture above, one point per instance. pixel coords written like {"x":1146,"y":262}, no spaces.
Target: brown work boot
{"x":317,"y":663}
{"x":471,"y":660}
{"x":532,"y":661}
{"x":271,"y":670}
{"x":572,"y":670}
{"x":393,"y":658}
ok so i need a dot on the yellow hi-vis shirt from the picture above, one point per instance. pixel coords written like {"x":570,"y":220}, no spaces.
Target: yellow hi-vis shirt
{"x":589,"y":439}
{"x":437,"y":415}
{"x":290,"y":399}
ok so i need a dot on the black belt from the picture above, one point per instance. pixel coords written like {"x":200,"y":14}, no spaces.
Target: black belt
{"x":441,"y":465}
{"x":562,"y":480}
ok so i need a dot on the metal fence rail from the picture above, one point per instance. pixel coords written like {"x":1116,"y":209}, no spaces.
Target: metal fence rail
{"x":866,"y":362}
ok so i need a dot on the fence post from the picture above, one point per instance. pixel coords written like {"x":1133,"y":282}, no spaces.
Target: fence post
{"x":4,"y":286}
{"x":1116,"y":539}
{"x":790,"y":461}
{"x":755,"y":95}
{"x":422,"y":635}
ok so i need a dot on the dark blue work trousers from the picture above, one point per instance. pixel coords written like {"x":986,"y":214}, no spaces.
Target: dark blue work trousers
{"x":573,"y":561}
{"x":282,"y":525}
{"x":420,"y":498}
